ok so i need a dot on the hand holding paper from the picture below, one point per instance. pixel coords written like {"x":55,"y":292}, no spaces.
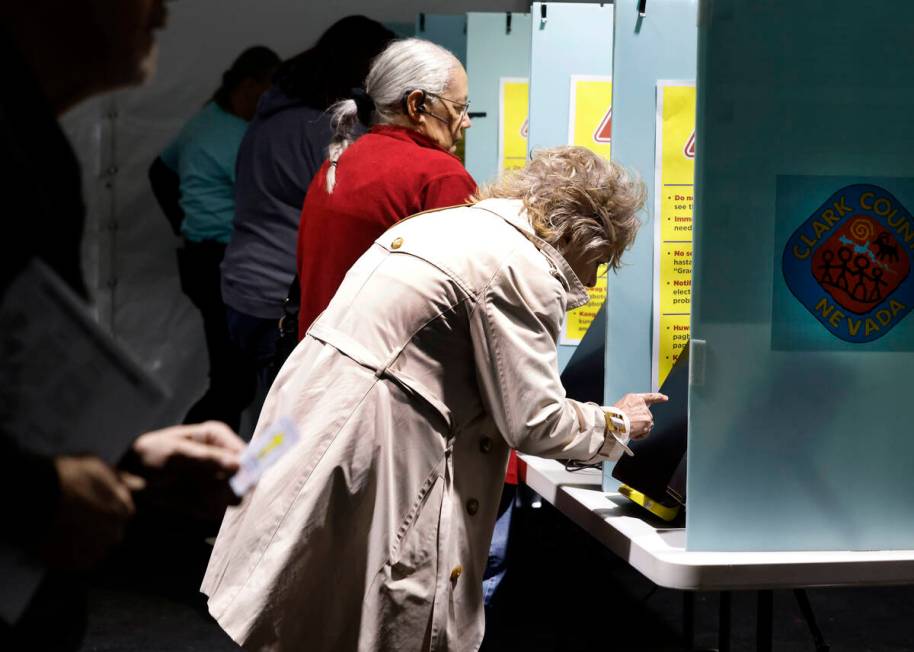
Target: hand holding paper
{"x":211,"y":445}
{"x":188,"y":467}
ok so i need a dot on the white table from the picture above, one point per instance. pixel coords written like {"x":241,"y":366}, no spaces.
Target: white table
{"x":658,"y":551}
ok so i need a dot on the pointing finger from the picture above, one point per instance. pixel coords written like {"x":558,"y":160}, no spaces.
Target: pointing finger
{"x":653,"y":397}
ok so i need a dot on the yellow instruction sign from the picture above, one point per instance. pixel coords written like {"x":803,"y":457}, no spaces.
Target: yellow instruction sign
{"x":513,"y":123}
{"x":673,"y":201}
{"x":590,"y":113}
{"x":590,"y":126}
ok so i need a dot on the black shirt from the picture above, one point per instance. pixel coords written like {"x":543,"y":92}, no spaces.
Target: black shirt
{"x":43,"y":216}
{"x":42,"y":202}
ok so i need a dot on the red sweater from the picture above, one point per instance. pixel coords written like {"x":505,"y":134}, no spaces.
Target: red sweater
{"x":386,"y":175}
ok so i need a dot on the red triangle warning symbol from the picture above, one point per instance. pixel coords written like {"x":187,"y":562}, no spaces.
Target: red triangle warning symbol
{"x":603,"y":134}
{"x":689,"y":149}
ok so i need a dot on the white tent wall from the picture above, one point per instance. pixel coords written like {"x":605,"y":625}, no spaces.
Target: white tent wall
{"x":128,"y":249}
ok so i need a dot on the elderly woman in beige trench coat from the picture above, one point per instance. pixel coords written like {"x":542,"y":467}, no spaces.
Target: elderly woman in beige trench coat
{"x":436,"y":356}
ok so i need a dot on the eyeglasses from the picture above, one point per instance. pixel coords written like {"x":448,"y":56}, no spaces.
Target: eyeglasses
{"x":463,"y":107}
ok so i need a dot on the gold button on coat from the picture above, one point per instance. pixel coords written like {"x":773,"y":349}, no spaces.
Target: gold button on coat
{"x":485,"y":444}
{"x":472,"y":506}
{"x":456,"y":573}
{"x":397,"y":243}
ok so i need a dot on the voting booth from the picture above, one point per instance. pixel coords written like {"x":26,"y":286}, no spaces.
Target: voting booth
{"x":799,"y":425}
{"x":801,"y":241}
{"x":796,"y":424}
{"x":653,"y":134}
{"x":772,"y":142}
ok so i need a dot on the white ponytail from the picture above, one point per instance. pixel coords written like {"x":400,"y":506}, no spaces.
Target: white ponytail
{"x":404,"y":66}
{"x":344,"y":116}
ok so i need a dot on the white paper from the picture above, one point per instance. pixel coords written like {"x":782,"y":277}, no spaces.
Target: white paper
{"x":66,"y":387}
{"x":268,"y":447}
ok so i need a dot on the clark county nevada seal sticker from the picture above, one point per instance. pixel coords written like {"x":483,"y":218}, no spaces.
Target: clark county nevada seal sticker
{"x":849,"y":263}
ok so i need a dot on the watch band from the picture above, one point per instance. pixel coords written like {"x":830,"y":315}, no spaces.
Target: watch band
{"x":619,"y":426}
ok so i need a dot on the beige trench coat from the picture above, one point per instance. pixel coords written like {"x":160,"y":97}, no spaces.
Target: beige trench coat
{"x":437,"y":355}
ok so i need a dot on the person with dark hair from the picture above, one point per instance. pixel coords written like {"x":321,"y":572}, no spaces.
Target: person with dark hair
{"x":194,"y":183}
{"x":284,"y":147}
{"x":327,"y":72}
{"x":250,"y":76}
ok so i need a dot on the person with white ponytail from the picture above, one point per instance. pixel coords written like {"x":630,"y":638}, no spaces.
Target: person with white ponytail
{"x":415,"y":103}
{"x":415,"y":100}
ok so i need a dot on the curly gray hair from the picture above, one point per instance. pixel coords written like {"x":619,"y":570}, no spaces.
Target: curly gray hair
{"x":576,"y":201}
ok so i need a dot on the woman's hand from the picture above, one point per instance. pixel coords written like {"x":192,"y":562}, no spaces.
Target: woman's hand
{"x":637,"y":408}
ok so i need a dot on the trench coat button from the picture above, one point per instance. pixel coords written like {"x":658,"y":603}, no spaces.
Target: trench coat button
{"x":456,"y":573}
{"x":397,"y":243}
{"x":485,"y":444}
{"x":472,"y":506}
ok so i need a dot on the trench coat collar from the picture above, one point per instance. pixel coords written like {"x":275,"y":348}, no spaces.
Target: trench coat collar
{"x":513,"y":212}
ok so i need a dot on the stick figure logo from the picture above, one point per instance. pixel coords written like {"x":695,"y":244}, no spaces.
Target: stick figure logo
{"x":849,"y":263}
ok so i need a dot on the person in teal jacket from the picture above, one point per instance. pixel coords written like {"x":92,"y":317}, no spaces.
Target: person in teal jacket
{"x":194,"y":182}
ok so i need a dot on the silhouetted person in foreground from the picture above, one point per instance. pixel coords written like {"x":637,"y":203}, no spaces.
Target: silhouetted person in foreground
{"x":65,"y":512}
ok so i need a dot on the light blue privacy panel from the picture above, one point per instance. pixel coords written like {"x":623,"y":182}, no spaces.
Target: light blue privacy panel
{"x":574,"y":39}
{"x":447,"y":30}
{"x":660,"y":45}
{"x":798,"y":438}
{"x":493,"y":52}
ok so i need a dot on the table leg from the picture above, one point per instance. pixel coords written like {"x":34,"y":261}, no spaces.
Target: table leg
{"x":723,"y":622}
{"x":763,"y":621}
{"x":688,"y":620}
{"x":810,"y":617}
